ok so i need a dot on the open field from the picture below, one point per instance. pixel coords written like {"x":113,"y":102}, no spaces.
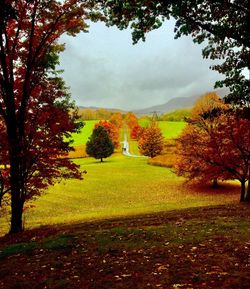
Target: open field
{"x":130,"y":225}
{"x":170,"y":129}
{"x":82,"y":137}
{"x":120,"y":186}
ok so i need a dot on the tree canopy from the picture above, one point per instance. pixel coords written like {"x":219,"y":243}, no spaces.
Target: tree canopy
{"x":222,"y":24}
{"x":35,"y":111}
{"x":215,"y":145}
{"x":100,"y":145}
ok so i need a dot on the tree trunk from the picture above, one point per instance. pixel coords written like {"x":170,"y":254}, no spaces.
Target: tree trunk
{"x":101,"y":160}
{"x":16,"y":214}
{"x":243,"y":191}
{"x":16,"y":182}
{"x":215,"y":184}
{"x":247,"y":199}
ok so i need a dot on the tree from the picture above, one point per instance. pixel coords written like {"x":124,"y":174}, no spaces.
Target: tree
{"x":29,"y":31}
{"x":112,"y":130}
{"x":136,"y":132}
{"x":99,"y":145}
{"x":131,"y":120}
{"x":151,"y":142}
{"x":215,"y":145}
{"x":117,"y":119}
{"x":224,"y":24}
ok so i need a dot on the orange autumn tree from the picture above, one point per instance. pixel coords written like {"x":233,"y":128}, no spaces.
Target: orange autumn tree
{"x":151,"y":142}
{"x":116,"y":119}
{"x":112,"y":130}
{"x":131,"y":120}
{"x":136,"y":132}
{"x":215,"y":145}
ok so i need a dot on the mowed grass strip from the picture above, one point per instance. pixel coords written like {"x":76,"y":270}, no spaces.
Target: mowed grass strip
{"x":121,"y":186}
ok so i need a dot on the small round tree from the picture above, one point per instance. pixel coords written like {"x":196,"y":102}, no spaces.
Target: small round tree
{"x":99,"y":145}
{"x":151,"y":141}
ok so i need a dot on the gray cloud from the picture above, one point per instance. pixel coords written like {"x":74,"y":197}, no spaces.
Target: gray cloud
{"x":104,"y":69}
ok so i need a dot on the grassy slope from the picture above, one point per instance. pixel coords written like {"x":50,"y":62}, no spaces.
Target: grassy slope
{"x":120,"y":186}
{"x":170,"y":129}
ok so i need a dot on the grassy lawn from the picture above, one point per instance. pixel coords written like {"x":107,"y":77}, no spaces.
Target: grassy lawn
{"x":170,"y":129}
{"x":85,"y":133}
{"x":120,"y":186}
{"x":130,"y":225}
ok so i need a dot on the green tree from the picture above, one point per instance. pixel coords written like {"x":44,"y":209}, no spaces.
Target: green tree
{"x":223,"y":24}
{"x":99,"y":145}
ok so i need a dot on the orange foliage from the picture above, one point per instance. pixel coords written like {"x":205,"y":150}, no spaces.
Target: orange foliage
{"x":131,"y":120}
{"x":151,"y":142}
{"x":112,"y":130}
{"x":79,"y":152}
{"x":116,"y":119}
{"x":168,"y":156}
{"x":215,"y":145}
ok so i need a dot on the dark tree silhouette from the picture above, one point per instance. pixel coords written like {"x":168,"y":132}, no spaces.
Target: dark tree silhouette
{"x":99,"y":145}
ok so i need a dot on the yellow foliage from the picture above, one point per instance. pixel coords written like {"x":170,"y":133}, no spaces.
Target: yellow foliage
{"x":168,"y":156}
{"x":79,"y":152}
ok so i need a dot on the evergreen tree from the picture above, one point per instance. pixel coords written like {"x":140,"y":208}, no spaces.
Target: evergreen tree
{"x":99,"y":146}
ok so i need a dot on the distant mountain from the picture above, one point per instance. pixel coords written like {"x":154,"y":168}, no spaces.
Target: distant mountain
{"x":176,"y":103}
{"x":96,"y":108}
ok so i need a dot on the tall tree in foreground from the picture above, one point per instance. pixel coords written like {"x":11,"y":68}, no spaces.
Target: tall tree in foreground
{"x":29,"y":31}
{"x":99,"y":146}
{"x":151,"y":142}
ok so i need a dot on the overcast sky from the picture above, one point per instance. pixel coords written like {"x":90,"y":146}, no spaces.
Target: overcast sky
{"x":103,"y":68}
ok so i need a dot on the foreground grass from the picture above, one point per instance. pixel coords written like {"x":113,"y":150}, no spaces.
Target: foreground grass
{"x":190,"y":249}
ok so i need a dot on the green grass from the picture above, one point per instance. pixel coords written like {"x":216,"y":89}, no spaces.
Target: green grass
{"x":120,"y":186}
{"x":170,"y":129}
{"x":86,"y":131}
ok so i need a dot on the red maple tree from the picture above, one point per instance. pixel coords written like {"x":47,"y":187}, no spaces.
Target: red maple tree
{"x":215,"y":145}
{"x":29,"y":31}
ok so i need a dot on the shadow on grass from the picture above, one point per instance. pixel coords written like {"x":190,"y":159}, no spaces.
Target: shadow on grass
{"x":223,"y":188}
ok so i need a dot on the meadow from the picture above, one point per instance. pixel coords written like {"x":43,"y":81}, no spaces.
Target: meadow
{"x":170,"y":129}
{"x":121,"y":186}
{"x":129,"y":225}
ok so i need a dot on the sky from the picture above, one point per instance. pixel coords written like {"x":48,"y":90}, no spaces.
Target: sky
{"x":104,"y":69}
